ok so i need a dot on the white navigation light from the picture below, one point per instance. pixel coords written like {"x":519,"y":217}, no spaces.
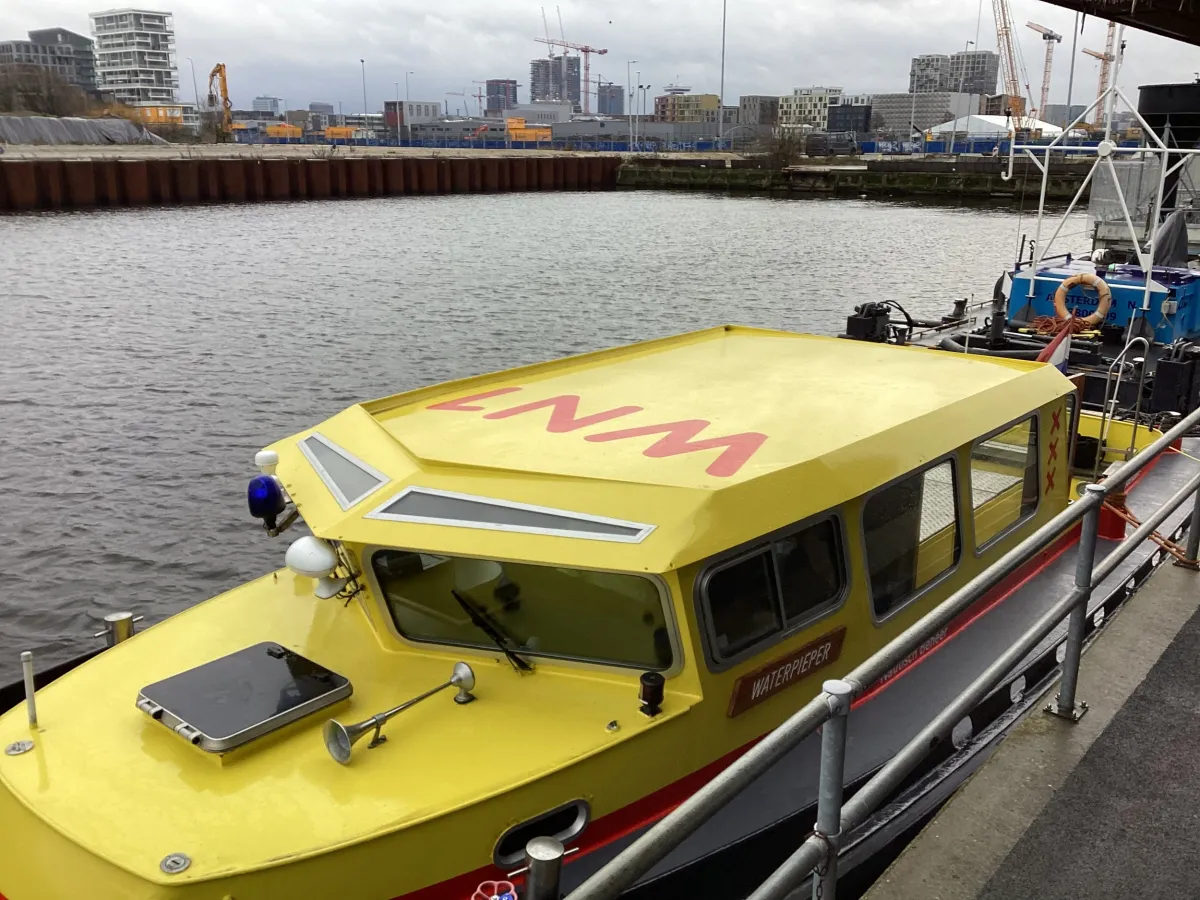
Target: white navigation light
{"x":266,"y":460}
{"x":313,"y":557}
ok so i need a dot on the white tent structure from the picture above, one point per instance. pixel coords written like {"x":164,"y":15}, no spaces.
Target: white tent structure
{"x":991,"y":127}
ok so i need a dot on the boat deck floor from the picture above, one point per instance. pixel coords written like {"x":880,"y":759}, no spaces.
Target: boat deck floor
{"x":1104,"y":808}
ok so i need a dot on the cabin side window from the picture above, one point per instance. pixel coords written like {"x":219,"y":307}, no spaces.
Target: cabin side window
{"x":784,"y":584}
{"x":1004,"y":480}
{"x":912,"y":535}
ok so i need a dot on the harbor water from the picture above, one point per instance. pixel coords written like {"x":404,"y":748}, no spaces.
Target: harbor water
{"x":145,"y":355}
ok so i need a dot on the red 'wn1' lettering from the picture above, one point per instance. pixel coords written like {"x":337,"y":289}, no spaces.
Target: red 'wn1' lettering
{"x":677,"y":437}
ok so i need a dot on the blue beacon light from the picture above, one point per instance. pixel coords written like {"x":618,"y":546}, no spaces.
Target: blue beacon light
{"x":264,"y":496}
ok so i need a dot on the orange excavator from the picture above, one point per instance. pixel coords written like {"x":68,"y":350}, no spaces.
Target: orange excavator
{"x":217,"y":82}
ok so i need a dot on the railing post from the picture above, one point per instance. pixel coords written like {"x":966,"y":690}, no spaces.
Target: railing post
{"x":27,"y":675}
{"x":1193,"y":540}
{"x":829,"y":791}
{"x":1065,"y":705}
{"x":543,"y":856}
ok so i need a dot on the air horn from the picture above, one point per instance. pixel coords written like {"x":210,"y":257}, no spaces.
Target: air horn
{"x":340,"y":739}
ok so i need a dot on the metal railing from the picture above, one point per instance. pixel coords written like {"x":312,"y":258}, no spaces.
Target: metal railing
{"x":817,"y":855}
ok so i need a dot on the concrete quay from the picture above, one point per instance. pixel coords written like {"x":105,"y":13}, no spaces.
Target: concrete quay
{"x":1104,"y":808}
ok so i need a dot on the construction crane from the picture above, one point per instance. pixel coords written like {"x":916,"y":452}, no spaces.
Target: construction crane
{"x":463,"y":93}
{"x":586,"y":52}
{"x":477,"y":95}
{"x":1049,"y":38}
{"x":1106,"y":60}
{"x":1008,"y":56}
{"x":218,"y":86}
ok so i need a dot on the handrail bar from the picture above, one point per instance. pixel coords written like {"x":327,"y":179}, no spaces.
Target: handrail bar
{"x":648,"y":850}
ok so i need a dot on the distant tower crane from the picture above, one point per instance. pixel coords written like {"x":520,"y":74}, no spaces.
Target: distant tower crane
{"x":1106,"y":60}
{"x":1050,"y":38}
{"x":1008,"y":56}
{"x":463,"y":93}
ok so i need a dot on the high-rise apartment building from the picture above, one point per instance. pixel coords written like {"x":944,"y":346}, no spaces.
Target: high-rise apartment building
{"x":539,"y":79}
{"x":808,"y":106}
{"x":967,"y":72}
{"x":928,"y":72}
{"x":973,"y":72}
{"x":610,"y":100}
{"x":65,"y":53}
{"x":501,"y":94}
{"x":555,"y":79}
{"x":758,"y":109}
{"x":135,"y":55}
{"x":271,"y":105}
{"x":676,"y":107}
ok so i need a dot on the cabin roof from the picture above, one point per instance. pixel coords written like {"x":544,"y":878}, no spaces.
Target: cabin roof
{"x":763,"y":426}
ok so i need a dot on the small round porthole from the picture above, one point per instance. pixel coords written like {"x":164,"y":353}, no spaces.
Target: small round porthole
{"x":563,"y":823}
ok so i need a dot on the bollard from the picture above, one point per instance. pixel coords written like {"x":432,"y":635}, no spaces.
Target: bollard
{"x":1065,"y":705}
{"x":118,"y":627}
{"x":1193,"y":541}
{"x":829,"y":791}
{"x":543,"y":857}
{"x":27,"y":671}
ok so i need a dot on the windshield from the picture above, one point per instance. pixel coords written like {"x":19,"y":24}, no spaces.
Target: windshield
{"x":536,"y":610}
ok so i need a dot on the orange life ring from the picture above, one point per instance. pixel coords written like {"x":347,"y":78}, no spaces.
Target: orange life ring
{"x":1087,"y":278}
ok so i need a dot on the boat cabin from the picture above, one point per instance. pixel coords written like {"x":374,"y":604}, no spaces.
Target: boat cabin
{"x":647,"y":558}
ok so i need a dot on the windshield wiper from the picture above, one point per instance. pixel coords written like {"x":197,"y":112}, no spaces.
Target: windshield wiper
{"x":502,"y":641}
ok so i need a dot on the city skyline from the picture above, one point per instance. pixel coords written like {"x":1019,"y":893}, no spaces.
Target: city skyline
{"x":304,"y":53}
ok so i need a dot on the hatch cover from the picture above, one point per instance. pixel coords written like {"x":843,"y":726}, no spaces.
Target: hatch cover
{"x":233,"y":700}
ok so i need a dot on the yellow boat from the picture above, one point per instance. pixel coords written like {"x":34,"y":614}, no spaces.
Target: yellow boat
{"x":646,"y":558}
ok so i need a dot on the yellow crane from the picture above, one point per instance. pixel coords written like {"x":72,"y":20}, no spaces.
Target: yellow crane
{"x":1106,"y":60}
{"x":1008,"y":57}
{"x":218,"y":83}
{"x":1050,"y":38}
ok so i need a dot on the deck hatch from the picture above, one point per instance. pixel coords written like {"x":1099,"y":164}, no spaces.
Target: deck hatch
{"x":348,"y":478}
{"x":427,"y":506}
{"x":232,"y":700}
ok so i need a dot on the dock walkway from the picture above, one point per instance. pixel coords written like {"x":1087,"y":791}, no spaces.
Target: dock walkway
{"x":1108,"y":807}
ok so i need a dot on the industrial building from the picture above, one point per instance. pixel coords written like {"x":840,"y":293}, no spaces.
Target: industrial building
{"x":65,"y":53}
{"x":808,"y":106}
{"x":758,"y":109}
{"x":895,"y":112}
{"x":678,"y":107}
{"x":1058,"y":113}
{"x":135,"y":56}
{"x":400,"y":115}
{"x":1001,"y":105}
{"x":544,"y":113}
{"x":325,"y":109}
{"x":501,"y":95}
{"x":272,"y":105}
{"x":456,"y":128}
{"x":967,"y":72}
{"x":851,"y":113}
{"x":610,"y":99}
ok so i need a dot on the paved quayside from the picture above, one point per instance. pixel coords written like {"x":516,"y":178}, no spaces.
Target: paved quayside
{"x":1103,"y":808}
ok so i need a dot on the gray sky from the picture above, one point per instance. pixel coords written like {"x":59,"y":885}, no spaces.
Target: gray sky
{"x":303,"y":51}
